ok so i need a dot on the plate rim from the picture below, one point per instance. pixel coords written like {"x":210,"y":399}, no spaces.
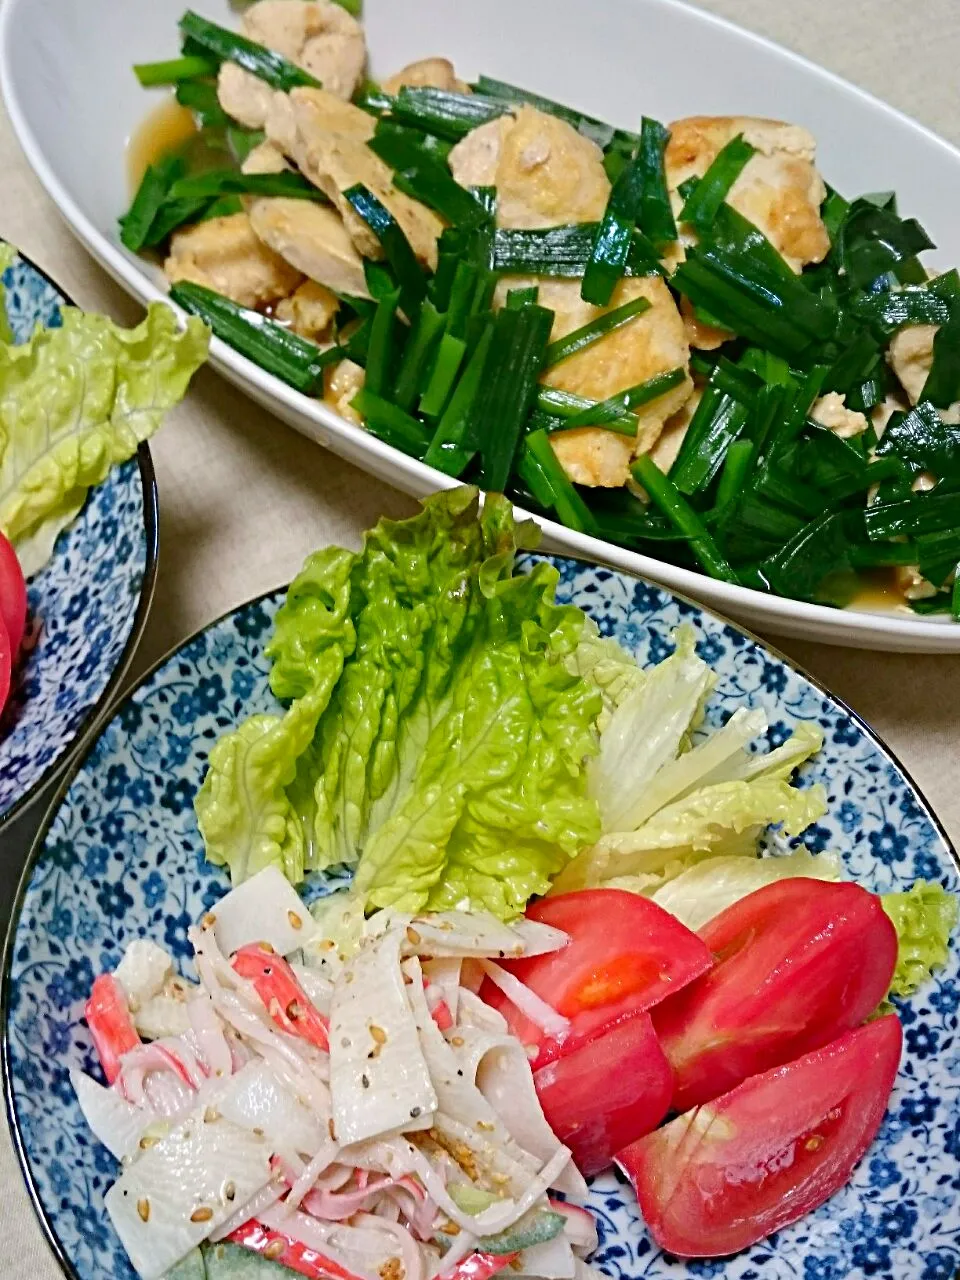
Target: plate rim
{"x":872,"y":631}
{"x":36,"y":849}
{"x":101,"y":707}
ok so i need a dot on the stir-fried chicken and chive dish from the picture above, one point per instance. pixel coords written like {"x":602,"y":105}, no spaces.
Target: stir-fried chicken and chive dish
{"x":679,"y":339}
{"x":570,"y":927}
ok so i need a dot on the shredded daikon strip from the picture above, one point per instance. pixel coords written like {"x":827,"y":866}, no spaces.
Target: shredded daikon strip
{"x":527,"y":1001}
{"x":401,"y":1156}
{"x":500,"y":1216}
{"x":253,"y":1208}
{"x":357,"y":1250}
{"x":321,"y":1161}
{"x":462,"y":1247}
{"x":410,"y":1255}
{"x":208,"y":1031}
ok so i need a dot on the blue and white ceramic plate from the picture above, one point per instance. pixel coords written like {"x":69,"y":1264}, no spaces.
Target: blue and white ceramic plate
{"x":121,"y":857}
{"x":88,"y":606}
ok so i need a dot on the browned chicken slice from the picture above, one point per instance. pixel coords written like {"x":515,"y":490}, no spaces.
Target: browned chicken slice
{"x":225,"y":254}
{"x":427,"y":73}
{"x":664,"y":452}
{"x":651,"y":343}
{"x":329,"y":150}
{"x":341,"y":383}
{"x":312,"y":238}
{"x":546,"y":173}
{"x":779,"y":188}
{"x":318,"y":35}
{"x":831,"y":411}
{"x":911,"y":357}
{"x":318,"y":109}
{"x":309,"y":311}
{"x":594,"y":457}
{"x":700,"y":335}
{"x":243,"y":96}
{"x":473,"y":161}
{"x":267,"y":158}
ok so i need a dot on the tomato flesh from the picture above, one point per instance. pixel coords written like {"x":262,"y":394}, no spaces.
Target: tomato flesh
{"x":608,"y":1093}
{"x":727,"y":1174}
{"x":797,"y":964}
{"x":13,"y":597}
{"x":625,"y":954}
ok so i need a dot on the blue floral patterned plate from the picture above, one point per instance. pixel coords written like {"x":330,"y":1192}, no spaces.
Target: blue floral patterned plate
{"x":88,"y":606}
{"x":121,"y":857}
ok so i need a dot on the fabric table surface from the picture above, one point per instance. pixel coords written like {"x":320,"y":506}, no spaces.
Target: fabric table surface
{"x":243,"y":498}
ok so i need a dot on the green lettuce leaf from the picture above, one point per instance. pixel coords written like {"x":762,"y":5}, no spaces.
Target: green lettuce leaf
{"x":247,"y":806}
{"x":8,"y":256}
{"x":646,"y":732}
{"x":702,"y":891}
{"x":727,"y":819}
{"x":924,"y":919}
{"x":602,"y":662}
{"x":669,"y":795}
{"x":76,"y":401}
{"x":446,"y":758}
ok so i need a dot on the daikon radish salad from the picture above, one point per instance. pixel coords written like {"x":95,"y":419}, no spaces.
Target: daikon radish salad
{"x":502,"y":903}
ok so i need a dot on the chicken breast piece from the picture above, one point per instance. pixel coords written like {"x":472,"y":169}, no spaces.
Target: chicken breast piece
{"x":341,"y":383}
{"x":267,"y":158}
{"x":318,"y":35}
{"x":912,"y":584}
{"x":335,"y":160}
{"x":312,"y":239}
{"x":548,"y":174}
{"x":594,"y":457}
{"x":244,"y":97}
{"x":318,"y":109}
{"x":701,"y":336}
{"x":474,"y":160}
{"x":779,"y":188}
{"x":651,"y":343}
{"x":664,"y":452}
{"x":831,"y":411}
{"x":309,"y":311}
{"x":427,"y":73}
{"x":225,"y":254}
{"x":911,"y":357}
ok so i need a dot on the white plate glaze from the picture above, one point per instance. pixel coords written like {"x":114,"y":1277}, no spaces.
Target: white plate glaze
{"x":73,"y":99}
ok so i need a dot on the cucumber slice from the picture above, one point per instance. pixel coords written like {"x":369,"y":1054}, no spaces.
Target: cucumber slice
{"x":535,"y":1228}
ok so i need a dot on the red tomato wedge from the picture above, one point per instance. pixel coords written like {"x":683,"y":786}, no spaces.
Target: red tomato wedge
{"x":110,"y":1024}
{"x":6,"y":665}
{"x":13,"y":597}
{"x":625,"y":954}
{"x":797,"y":963}
{"x":727,"y":1174}
{"x":606,"y":1094}
{"x":279,"y":988}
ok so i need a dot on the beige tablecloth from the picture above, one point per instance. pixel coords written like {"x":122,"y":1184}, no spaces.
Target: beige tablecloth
{"x":243,"y":498}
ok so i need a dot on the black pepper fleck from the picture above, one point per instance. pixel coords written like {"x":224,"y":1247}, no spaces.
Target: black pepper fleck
{"x":414,"y":1112}
{"x":365,"y":1081}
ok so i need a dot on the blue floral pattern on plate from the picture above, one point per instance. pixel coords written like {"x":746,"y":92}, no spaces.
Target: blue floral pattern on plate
{"x":122,"y":858}
{"x":87,"y":606}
